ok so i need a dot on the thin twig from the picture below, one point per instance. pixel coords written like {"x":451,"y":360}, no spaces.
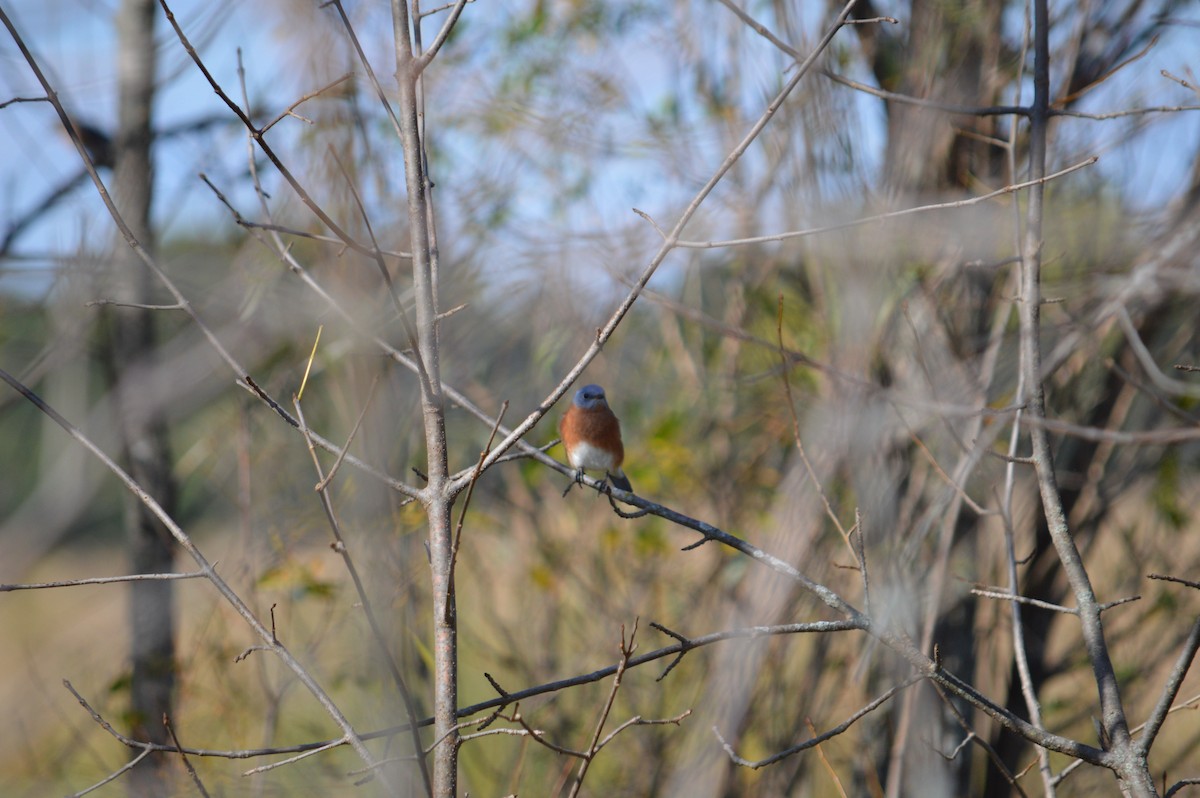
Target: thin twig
{"x":860,"y":547}
{"x":1070,"y":98}
{"x":431,"y":52}
{"x":791,"y":403}
{"x":761,"y":29}
{"x":405,"y":320}
{"x":997,"y":762}
{"x":438,"y":9}
{"x":1179,"y":785}
{"x":1156,"y":109}
{"x":7,"y":103}
{"x":825,"y":760}
{"x":1175,"y":579}
{"x":626,"y":648}
{"x":950,"y":108}
{"x":186,"y":762}
{"x":333,"y":469}
{"x":306,"y":98}
{"x":1180,"y":81}
{"x":297,"y":758}
{"x":1146,"y":360}
{"x":1187,"y":654}
{"x":279,"y":228}
{"x":138,"y":305}
{"x":1151,"y":437}
{"x":938,"y":206}
{"x":128,"y":766}
{"x":818,"y":739}
{"x":462,"y":515}
{"x":103,"y":580}
{"x":1032,"y":602}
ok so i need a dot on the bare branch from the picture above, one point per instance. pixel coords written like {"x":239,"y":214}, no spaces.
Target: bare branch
{"x":1180,"y":81}
{"x":935,"y":105}
{"x":626,"y":648}
{"x":186,"y":762}
{"x":298,"y":757}
{"x":306,"y":98}
{"x":439,"y":9}
{"x":103,"y":580}
{"x":814,"y":741}
{"x":1146,"y":360}
{"x":1153,"y":437}
{"x":1157,"y":109}
{"x":447,"y":27}
{"x":1004,"y":596}
{"x":740,"y":242}
{"x":97,"y":302}
{"x":1179,"y":785}
{"x":7,"y":103}
{"x":1176,"y":579}
{"x":325,"y":480}
{"x":982,"y":743}
{"x":279,"y":228}
{"x":762,"y":30}
{"x":362,"y":58}
{"x":128,"y":766}
{"x":791,"y":404}
{"x":1183,"y":663}
{"x":1114,"y":70}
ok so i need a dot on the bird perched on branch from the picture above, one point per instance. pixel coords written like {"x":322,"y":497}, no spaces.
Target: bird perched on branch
{"x":591,"y":435}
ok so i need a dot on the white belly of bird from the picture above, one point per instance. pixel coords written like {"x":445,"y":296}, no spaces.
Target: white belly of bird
{"x":586,"y":456}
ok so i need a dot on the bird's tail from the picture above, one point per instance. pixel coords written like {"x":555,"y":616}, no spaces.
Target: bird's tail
{"x":619,"y":480}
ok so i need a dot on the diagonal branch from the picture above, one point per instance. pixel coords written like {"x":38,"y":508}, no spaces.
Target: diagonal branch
{"x":820,"y":738}
{"x":426,"y":57}
{"x":1183,"y":663}
{"x":937,"y":206}
{"x":102,"y":580}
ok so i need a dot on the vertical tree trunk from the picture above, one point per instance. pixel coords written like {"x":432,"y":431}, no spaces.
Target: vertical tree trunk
{"x":438,"y":500}
{"x":142,"y":424}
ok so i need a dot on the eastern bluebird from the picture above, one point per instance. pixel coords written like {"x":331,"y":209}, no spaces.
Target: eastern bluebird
{"x":591,"y":435}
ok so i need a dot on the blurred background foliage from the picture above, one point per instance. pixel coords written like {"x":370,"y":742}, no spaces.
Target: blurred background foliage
{"x":546,"y":122}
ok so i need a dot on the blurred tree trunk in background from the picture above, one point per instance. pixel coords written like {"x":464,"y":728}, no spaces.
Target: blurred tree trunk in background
{"x":142,"y":421}
{"x":948,"y":52}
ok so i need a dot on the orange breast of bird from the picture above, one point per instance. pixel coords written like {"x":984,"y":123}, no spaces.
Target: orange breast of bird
{"x":592,"y":438}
